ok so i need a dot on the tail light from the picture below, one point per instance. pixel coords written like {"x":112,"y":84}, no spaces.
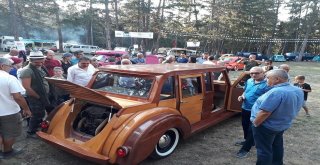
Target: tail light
{"x":122,"y":151}
{"x":44,"y":125}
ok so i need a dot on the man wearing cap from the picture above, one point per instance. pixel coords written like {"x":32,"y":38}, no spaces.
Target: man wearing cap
{"x":17,"y":64}
{"x":81,"y":73}
{"x":10,"y":116}
{"x":50,"y":62}
{"x":77,"y":55}
{"x":66,"y":63}
{"x":37,"y":89}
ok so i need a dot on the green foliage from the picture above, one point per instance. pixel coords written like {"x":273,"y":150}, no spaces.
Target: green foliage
{"x":220,"y":25}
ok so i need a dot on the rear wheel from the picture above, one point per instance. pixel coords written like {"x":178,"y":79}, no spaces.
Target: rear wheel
{"x":166,"y":144}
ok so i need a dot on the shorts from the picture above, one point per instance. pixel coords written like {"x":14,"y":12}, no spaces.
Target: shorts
{"x":304,"y":103}
{"x":10,"y":126}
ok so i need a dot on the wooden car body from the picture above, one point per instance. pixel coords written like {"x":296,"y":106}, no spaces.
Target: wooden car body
{"x":172,"y":101}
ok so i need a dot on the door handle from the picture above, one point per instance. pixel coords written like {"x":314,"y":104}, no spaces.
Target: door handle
{"x":183,"y":101}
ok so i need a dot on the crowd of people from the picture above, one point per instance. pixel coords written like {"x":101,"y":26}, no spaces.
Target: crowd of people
{"x":264,"y":116}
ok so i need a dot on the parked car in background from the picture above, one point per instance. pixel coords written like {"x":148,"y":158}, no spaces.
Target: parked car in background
{"x":130,"y":112}
{"x":232,"y":63}
{"x":259,"y":56}
{"x":291,"y":56}
{"x":177,"y":51}
{"x":223,"y":56}
{"x":277,"y":58}
{"x":163,"y":51}
{"x":316,"y":58}
{"x":87,"y":49}
{"x":121,"y":49}
{"x":54,"y":48}
{"x":307,"y":57}
{"x":109,"y":57}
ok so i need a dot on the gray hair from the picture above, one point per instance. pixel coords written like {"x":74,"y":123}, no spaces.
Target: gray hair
{"x":5,"y":61}
{"x":280,"y":73}
{"x":126,"y":62}
{"x":258,"y":68}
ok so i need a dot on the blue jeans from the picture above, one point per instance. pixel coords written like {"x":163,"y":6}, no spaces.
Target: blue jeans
{"x":269,"y":146}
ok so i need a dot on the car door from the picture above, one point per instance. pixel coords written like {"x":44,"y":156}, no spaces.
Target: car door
{"x":191,"y":97}
{"x":236,"y":90}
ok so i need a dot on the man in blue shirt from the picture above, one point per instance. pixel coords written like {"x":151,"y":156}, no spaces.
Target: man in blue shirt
{"x":272,"y":114}
{"x":205,"y":57}
{"x":254,"y":88}
{"x":77,"y":55}
{"x":139,"y":59}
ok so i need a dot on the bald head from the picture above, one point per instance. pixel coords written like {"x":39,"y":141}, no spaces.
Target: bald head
{"x":14,"y":52}
{"x":285,"y":67}
{"x":257,"y":73}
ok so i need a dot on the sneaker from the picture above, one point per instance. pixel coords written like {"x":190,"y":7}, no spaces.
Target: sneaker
{"x":12,"y":153}
{"x":240,"y":143}
{"x":242,"y":154}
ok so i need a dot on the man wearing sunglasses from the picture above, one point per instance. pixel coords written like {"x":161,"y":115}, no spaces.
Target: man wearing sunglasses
{"x":254,"y":88}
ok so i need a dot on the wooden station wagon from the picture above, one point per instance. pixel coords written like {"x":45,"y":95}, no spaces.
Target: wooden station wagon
{"x":130,"y":112}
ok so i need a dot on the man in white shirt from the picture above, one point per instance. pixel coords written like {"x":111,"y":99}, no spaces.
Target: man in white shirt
{"x":82,"y":72}
{"x":10,"y":117}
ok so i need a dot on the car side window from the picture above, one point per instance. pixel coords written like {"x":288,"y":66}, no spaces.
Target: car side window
{"x":190,"y":86}
{"x":167,"y":91}
{"x":217,"y":76}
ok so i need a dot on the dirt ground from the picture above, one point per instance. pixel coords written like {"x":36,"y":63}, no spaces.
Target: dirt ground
{"x":214,"y":145}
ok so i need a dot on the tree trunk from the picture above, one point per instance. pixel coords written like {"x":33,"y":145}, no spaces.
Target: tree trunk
{"x":13,"y":21}
{"x":107,"y":27}
{"x":311,"y":21}
{"x":60,"y":38}
{"x":23,"y":22}
{"x":158,"y":24}
{"x":116,"y":15}
{"x":269,"y":50}
{"x":91,"y":17}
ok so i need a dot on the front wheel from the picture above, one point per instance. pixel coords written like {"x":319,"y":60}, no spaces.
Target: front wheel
{"x":166,"y":144}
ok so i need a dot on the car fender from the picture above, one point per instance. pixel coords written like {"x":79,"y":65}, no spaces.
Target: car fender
{"x":144,"y":130}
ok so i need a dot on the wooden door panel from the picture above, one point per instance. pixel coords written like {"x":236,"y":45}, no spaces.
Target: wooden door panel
{"x":191,"y":108}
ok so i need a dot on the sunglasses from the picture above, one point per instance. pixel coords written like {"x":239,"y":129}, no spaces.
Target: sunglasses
{"x":252,"y":73}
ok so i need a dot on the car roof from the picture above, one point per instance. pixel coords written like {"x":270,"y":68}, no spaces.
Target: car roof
{"x":151,"y":69}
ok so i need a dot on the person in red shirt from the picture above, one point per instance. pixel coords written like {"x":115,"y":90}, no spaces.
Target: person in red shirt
{"x":51,"y":62}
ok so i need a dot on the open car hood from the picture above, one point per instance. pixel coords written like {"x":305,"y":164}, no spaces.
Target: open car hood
{"x":84,"y":93}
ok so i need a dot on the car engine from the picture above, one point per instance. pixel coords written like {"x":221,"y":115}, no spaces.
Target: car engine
{"x":92,"y":119}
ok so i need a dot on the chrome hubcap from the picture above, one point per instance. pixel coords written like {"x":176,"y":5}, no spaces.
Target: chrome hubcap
{"x":164,"y":141}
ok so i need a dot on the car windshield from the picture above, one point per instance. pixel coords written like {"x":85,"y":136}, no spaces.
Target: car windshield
{"x":101,"y":58}
{"x":129,"y":85}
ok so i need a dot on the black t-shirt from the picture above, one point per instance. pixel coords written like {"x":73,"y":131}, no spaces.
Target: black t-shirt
{"x":250,"y":64}
{"x":304,"y":86}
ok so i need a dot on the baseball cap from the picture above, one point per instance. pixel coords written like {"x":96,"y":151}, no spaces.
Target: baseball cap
{"x":16,"y":60}
{"x":67,"y":55}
